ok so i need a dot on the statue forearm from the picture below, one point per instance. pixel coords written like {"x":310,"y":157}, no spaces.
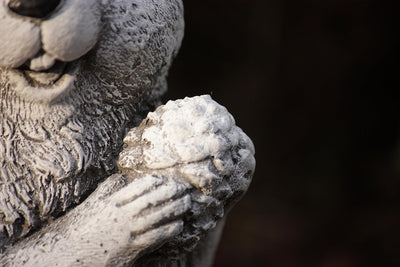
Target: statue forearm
{"x":169,"y":199}
{"x":105,"y":229}
{"x":73,"y":77}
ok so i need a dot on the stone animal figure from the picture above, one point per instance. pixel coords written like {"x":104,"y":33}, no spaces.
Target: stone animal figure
{"x":86,"y":179}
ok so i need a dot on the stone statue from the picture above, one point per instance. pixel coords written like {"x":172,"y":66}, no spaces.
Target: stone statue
{"x":79,"y":184}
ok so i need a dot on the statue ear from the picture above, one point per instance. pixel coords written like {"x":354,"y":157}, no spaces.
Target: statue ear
{"x":33,"y":8}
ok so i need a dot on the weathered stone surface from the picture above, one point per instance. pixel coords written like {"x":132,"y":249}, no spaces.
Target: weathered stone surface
{"x":194,"y":142}
{"x":73,"y":84}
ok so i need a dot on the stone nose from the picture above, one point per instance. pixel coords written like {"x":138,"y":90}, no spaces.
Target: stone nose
{"x":33,"y":8}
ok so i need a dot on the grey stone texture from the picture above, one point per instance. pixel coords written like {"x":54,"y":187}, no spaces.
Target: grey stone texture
{"x":86,"y":179}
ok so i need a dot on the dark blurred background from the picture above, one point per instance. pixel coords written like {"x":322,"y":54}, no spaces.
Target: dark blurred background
{"x":315,"y":84}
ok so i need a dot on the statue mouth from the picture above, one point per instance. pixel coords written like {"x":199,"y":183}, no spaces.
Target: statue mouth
{"x":44,"y":70}
{"x":49,"y":77}
{"x":44,"y":84}
{"x":45,"y":78}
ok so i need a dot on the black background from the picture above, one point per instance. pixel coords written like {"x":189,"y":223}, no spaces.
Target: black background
{"x":315,"y":84}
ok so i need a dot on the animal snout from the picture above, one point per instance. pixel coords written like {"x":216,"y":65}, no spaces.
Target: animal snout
{"x":33,"y":8}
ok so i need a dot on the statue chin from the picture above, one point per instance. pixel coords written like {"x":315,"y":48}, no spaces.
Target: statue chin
{"x":43,"y":87}
{"x":41,"y":54}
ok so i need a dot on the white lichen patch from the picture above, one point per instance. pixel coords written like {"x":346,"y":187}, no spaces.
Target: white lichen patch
{"x":196,"y":137}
